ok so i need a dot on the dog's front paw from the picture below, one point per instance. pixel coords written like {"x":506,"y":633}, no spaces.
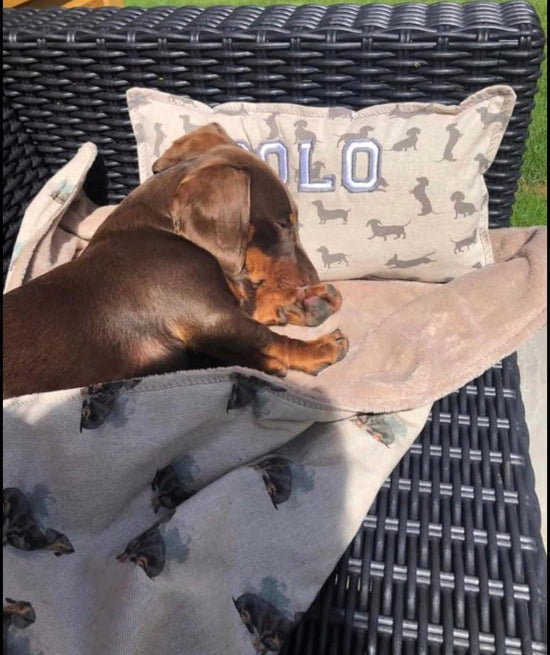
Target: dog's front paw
{"x":314,"y":305}
{"x":315,"y":311}
{"x":327,"y":350}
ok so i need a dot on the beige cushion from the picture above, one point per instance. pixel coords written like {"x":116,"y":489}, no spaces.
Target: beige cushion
{"x":393,"y":191}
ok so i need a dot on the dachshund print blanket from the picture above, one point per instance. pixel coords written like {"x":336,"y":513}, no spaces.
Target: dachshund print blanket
{"x":200,"y":512}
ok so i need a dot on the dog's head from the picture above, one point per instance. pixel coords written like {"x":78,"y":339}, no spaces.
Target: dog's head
{"x":230,"y":203}
{"x":192,"y":145}
{"x":457,"y":196}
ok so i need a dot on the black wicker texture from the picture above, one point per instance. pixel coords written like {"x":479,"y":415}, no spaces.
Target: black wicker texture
{"x":66,"y":72}
{"x":24,"y":174}
{"x":449,"y":558}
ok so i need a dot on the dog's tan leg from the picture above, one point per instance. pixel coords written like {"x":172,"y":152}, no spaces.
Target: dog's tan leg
{"x":245,"y":342}
{"x":308,"y":356}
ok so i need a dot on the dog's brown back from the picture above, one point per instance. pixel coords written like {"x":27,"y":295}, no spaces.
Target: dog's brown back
{"x":173,"y":268}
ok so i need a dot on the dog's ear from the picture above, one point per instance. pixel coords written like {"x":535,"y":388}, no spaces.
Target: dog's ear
{"x":211,"y":208}
{"x":193,"y":144}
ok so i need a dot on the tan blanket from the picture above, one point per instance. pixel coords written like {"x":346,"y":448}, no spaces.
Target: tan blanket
{"x":414,"y":342}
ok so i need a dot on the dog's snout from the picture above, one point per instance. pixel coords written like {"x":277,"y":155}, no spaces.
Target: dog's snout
{"x":308,"y":273}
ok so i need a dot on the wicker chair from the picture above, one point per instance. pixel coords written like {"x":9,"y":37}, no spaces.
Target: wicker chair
{"x":449,"y":558}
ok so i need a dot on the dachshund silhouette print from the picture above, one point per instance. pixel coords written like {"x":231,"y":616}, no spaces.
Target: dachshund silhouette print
{"x":139,"y":132}
{"x":462,"y":208}
{"x":277,"y":477}
{"x":99,"y":402}
{"x":241,"y":110}
{"x":140,"y":99}
{"x":488,"y":117}
{"x":382,"y":185}
{"x":160,"y":136}
{"x":397,"y":112}
{"x":188,"y":126}
{"x":408,"y":142}
{"x":483,"y":162}
{"x":338,"y":112}
{"x":363,"y":133}
{"x":269,"y":627}
{"x":330,"y":214}
{"x":395,"y":262}
{"x":465,"y":243}
{"x":454,"y":136}
{"x":271,"y":122}
{"x":302,"y":134}
{"x":332,"y":258}
{"x":316,"y":169}
{"x":147,"y":551}
{"x":23,"y":531}
{"x":18,"y":614}
{"x":419,"y":192}
{"x":384,"y":231}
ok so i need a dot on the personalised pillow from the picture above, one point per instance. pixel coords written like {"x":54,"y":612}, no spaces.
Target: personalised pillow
{"x":391,"y":191}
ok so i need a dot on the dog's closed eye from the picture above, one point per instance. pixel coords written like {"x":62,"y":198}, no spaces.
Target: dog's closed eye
{"x":284,"y":222}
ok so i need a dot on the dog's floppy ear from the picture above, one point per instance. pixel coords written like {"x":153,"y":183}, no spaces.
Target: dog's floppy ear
{"x":191,"y":145}
{"x":211,"y":208}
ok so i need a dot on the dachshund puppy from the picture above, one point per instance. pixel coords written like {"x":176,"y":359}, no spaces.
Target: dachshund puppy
{"x":201,"y":257}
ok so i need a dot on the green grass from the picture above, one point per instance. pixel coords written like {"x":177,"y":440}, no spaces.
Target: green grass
{"x":530,"y":205}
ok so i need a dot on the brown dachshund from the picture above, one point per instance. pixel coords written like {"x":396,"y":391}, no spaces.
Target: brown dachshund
{"x":201,"y":257}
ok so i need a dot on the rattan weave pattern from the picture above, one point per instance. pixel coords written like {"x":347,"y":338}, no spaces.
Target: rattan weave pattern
{"x":449,"y":558}
{"x":23,"y":174}
{"x":66,"y":72}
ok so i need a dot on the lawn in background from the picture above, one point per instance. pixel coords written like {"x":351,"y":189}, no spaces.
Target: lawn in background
{"x":530,"y":206}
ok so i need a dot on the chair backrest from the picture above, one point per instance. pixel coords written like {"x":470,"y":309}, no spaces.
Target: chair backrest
{"x":66,"y":71}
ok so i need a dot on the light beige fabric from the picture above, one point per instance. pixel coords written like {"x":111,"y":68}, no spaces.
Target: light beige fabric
{"x":393,"y":191}
{"x":58,"y":223}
